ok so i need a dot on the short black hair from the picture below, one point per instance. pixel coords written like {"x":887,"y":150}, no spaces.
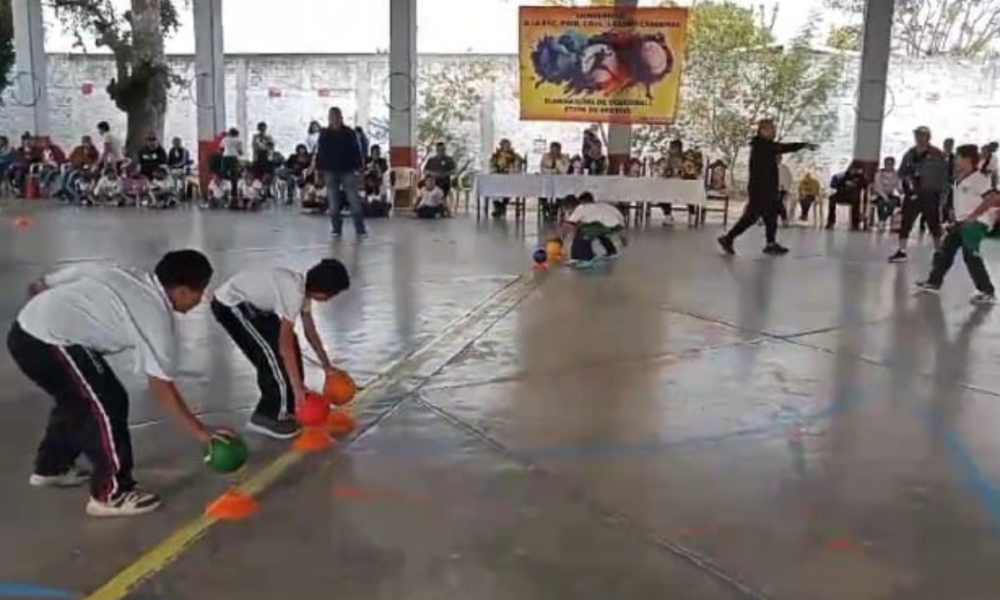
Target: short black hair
{"x":586,"y":198}
{"x":103,"y":126}
{"x":329,"y":278}
{"x":184,"y":268}
{"x":261,"y":125}
{"x":233,"y":131}
{"x":570,"y":201}
{"x":970,"y":151}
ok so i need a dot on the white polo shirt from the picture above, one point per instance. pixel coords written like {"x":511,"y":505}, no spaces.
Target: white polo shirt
{"x":112,"y":147}
{"x":969,"y":192}
{"x":277,"y":290}
{"x":107,"y":310}
{"x":597,"y":212}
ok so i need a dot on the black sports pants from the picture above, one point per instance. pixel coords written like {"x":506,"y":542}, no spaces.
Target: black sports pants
{"x":90,"y":416}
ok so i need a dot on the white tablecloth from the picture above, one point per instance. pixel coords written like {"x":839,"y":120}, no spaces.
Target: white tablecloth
{"x":607,"y":188}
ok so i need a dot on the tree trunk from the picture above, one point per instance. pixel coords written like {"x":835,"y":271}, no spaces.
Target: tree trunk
{"x":147,"y":113}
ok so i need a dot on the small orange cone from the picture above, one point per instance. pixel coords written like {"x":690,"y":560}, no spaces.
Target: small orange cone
{"x":233,"y":506}
{"x":341,"y":422}
{"x":21,"y":222}
{"x":313,"y":440}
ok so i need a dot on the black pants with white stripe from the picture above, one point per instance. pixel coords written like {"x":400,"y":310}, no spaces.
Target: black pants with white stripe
{"x":90,"y":416}
{"x":257,"y":334}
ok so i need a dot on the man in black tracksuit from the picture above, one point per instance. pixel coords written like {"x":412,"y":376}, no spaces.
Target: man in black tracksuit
{"x":763,"y":198}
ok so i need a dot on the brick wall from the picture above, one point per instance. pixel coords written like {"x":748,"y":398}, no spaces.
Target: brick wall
{"x":956,"y":98}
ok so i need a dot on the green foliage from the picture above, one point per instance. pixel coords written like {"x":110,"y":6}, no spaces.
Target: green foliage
{"x":967,"y":28}
{"x":736,"y":75}
{"x":450,"y":95}
{"x":6,"y":46}
{"x":844,"y":37}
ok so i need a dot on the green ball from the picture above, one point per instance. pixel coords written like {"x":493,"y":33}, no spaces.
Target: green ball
{"x":226,"y":454}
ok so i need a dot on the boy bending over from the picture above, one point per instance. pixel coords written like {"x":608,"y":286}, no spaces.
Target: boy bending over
{"x":258,"y":308}
{"x":591,"y":222}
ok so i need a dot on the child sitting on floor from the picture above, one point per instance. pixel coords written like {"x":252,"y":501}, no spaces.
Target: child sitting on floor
{"x":976,"y":205}
{"x":109,"y":189}
{"x":161,"y":189}
{"x":431,"y":204}
{"x":250,"y":192}
{"x":591,"y":222}
{"x":220,"y":192}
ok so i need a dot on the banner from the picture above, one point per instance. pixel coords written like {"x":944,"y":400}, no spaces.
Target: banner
{"x":601,"y":64}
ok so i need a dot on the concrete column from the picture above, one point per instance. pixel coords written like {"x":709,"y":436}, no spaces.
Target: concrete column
{"x":210,"y":79}
{"x":31,"y":70}
{"x":875,"y":50}
{"x":620,"y":135}
{"x":487,"y":126}
{"x":362,"y":95}
{"x":403,"y":83}
{"x":242,"y":82}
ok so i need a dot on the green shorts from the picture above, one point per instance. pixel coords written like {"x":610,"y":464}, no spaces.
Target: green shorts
{"x":973,"y":235}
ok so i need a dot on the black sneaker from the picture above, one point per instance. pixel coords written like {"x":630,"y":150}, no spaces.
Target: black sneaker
{"x":125,"y":504}
{"x":279,"y":429}
{"x":72,"y":477}
{"x":927,"y":287}
{"x":727,"y":245}
{"x":775,"y":250}
{"x":898,"y":257}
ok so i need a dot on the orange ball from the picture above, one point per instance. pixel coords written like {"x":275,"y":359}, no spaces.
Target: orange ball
{"x":339,"y":388}
{"x":313,"y":411}
{"x":341,"y":422}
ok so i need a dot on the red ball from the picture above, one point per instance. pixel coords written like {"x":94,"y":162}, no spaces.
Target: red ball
{"x":313,"y":411}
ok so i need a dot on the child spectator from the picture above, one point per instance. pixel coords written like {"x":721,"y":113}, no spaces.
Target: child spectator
{"x":250,"y":193}
{"x":886,"y":189}
{"x":83,"y":187}
{"x":431,"y":204}
{"x":589,"y":222}
{"x":809,"y":191}
{"x":232,"y":157}
{"x":178,"y":158}
{"x":161,"y":189}
{"x":220,"y":192}
{"x":109,"y":188}
{"x":976,"y":212}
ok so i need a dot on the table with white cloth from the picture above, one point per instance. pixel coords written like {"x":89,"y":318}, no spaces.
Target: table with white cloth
{"x":605,"y":188}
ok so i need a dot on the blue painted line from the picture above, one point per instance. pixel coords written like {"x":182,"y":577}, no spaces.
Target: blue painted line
{"x":975,"y":477}
{"x":24,"y":590}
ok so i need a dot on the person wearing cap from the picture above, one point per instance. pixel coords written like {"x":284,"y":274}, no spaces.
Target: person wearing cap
{"x":764,"y":200}
{"x":925,"y":178}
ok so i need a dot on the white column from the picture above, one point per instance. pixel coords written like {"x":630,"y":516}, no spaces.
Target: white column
{"x":242,"y":82}
{"x":363,"y":94}
{"x":620,"y":135}
{"x":210,"y":79}
{"x":31,"y":72}
{"x":875,"y":50}
{"x":403,"y":82}
{"x":487,"y":126}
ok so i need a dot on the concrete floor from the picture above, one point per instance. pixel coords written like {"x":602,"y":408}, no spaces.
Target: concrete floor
{"x":678,"y":425}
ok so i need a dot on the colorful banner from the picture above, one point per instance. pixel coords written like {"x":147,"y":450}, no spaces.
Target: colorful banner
{"x":601,"y":64}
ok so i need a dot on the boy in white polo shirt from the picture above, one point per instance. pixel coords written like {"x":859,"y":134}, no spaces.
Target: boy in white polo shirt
{"x":75,"y":318}
{"x":976,"y":212}
{"x":591,"y":222}
{"x":258,"y":308}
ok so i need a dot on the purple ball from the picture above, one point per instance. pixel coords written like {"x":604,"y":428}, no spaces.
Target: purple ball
{"x":540,"y":255}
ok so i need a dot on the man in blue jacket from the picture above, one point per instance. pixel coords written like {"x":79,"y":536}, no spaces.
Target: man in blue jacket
{"x":338,"y":157}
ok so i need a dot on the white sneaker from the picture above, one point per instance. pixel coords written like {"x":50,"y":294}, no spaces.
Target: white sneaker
{"x":74,"y":477}
{"x":126,"y":504}
{"x":983,"y":299}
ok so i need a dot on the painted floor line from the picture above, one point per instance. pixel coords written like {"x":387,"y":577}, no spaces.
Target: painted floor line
{"x":171,"y":548}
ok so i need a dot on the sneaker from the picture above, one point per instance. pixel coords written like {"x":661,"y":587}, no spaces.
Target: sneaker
{"x":125,"y":504}
{"x":983,"y":299}
{"x":335,"y":234}
{"x":898,"y":257}
{"x":279,"y":429}
{"x":775,"y":250}
{"x":73,"y":477}
{"x":363,"y":234}
{"x":927,"y":287}
{"x":727,"y":245}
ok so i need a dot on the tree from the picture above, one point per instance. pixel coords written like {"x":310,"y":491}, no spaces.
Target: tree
{"x":135,"y":39}
{"x":6,"y":46}
{"x":736,"y":75}
{"x":967,"y":28}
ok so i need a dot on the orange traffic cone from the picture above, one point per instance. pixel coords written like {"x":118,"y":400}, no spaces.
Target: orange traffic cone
{"x":341,"y":422}
{"x":313,"y":440}
{"x":234,"y":505}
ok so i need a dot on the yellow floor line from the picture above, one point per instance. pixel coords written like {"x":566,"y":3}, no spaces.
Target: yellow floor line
{"x":171,"y":548}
